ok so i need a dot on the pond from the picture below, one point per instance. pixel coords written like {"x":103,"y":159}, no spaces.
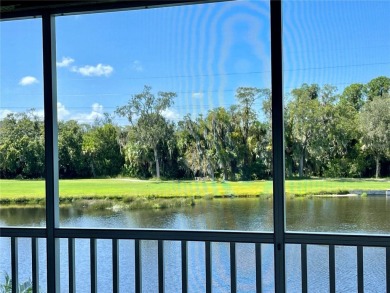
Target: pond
{"x":346,"y":215}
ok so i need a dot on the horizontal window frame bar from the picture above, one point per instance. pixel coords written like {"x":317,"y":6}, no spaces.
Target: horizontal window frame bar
{"x":96,"y":7}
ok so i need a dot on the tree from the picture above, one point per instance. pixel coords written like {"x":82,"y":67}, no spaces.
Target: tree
{"x":196,"y":146}
{"x":343,"y":140}
{"x":22,"y":150}
{"x":144,"y":111}
{"x":375,"y":127}
{"x":220,"y":139}
{"x":137,"y":156}
{"x":72,"y":162}
{"x":303,"y":115}
{"x":377,"y":87}
{"x":102,"y":149}
{"x":321,"y":132}
{"x":354,"y":94}
{"x":229,"y":143}
{"x":246,"y":97}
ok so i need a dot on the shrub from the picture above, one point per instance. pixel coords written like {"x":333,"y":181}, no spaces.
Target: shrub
{"x":25,"y":287}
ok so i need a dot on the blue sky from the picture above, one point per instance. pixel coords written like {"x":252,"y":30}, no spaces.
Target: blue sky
{"x":201,"y":52}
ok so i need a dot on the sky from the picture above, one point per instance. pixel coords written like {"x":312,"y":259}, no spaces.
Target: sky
{"x":201,"y":52}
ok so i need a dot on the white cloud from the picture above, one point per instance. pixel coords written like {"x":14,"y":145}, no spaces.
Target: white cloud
{"x":96,"y":113}
{"x":170,"y":115}
{"x":39,"y":113}
{"x":4,"y":113}
{"x":96,"y":107}
{"x":137,"y":66}
{"x":65,"y":62}
{"x":28,"y":80}
{"x":97,"y":70}
{"x":197,"y":95}
{"x":62,"y":112}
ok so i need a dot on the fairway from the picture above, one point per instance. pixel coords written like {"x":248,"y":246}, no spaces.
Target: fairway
{"x":33,"y":191}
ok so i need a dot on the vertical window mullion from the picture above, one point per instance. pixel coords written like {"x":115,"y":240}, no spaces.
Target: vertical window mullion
{"x":51,"y":151}
{"x":278,"y":143}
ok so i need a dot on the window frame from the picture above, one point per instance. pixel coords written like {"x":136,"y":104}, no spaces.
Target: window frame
{"x":279,"y":237}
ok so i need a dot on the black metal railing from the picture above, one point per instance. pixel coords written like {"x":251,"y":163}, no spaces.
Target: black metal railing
{"x":184,"y":237}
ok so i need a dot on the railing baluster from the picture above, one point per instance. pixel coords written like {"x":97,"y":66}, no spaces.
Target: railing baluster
{"x":258,"y":268}
{"x":184,"y":266}
{"x":332,"y":269}
{"x":93,"y":265}
{"x":233,"y":268}
{"x":388,"y":268}
{"x":71,"y":265}
{"x":208,"y":267}
{"x":161,"y":278}
{"x":360,"y":269}
{"x":304,"y":267}
{"x":138,"y":266}
{"x":35,"y":265}
{"x":115,"y":265}
{"x":14,"y":264}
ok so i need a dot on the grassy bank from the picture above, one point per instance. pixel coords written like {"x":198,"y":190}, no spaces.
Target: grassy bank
{"x":128,"y":190}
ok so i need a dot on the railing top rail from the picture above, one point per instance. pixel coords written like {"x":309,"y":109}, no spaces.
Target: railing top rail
{"x":207,"y":235}
{"x":22,"y":232}
{"x":142,"y":234}
{"x":173,"y":235}
{"x":338,"y":239}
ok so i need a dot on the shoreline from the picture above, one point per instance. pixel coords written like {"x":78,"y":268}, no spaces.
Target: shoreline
{"x":116,"y":203}
{"x":136,"y":193}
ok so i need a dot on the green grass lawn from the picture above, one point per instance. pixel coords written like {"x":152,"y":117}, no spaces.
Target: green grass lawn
{"x":22,"y":191}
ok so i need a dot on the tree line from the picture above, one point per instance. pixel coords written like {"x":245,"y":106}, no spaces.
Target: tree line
{"x":327,"y":134}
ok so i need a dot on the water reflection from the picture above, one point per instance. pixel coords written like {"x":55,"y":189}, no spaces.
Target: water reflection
{"x":22,"y":216}
{"x":347,"y":215}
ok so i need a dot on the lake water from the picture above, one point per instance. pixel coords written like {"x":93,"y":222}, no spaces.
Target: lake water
{"x":347,"y":215}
